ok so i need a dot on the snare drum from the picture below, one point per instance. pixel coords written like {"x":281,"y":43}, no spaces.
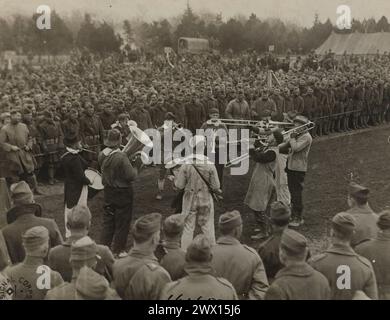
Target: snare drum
{"x":96,"y":182}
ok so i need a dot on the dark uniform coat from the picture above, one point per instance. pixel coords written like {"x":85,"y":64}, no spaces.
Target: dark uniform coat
{"x":174,"y":260}
{"x":74,"y":166}
{"x":25,"y":220}
{"x":269,"y":253}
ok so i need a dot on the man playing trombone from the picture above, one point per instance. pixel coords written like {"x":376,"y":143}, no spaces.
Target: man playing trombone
{"x":262,"y":184}
{"x":299,"y":147}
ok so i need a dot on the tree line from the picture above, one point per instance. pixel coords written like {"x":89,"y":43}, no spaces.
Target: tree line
{"x":235,"y":34}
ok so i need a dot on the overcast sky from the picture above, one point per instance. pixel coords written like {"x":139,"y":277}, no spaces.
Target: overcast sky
{"x":299,"y":11}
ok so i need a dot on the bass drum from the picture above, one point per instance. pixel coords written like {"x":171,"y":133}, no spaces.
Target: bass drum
{"x":96,"y":182}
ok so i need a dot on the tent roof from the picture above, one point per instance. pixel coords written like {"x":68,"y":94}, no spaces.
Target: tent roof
{"x":356,"y":43}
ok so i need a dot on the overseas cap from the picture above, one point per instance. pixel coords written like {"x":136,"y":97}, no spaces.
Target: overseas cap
{"x":35,"y":237}
{"x":230,"y":220}
{"x":293,"y":242}
{"x":199,"y":250}
{"x":83,"y":249}
{"x":344,"y":222}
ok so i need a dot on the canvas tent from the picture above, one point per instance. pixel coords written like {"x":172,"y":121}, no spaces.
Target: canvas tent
{"x":356,"y":43}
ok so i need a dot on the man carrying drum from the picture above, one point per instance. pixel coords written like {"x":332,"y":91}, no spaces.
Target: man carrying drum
{"x":75,"y":182}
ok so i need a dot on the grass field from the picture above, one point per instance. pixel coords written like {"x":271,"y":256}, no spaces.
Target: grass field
{"x":366,"y":153}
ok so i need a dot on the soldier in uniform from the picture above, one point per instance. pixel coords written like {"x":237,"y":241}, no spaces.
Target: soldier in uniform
{"x":107,"y":117}
{"x":218,"y":133}
{"x":71,"y":126}
{"x":365,"y":218}
{"x":195,"y":114}
{"x":25,"y":214}
{"x":238,"y":108}
{"x":200,"y":283}
{"x":376,"y":250}
{"x":79,"y":223}
{"x":310,"y":103}
{"x":92,"y":133}
{"x":141,"y":116}
{"x":269,"y":249}
{"x":52,"y":142}
{"x":139,"y":275}
{"x":16,"y":142}
{"x":341,"y":100}
{"x":238,"y":263}
{"x":298,"y":102}
{"x":358,"y":270}
{"x":279,"y":101}
{"x":297,"y":164}
{"x":263,"y":107}
{"x":83,"y":254}
{"x":174,"y":258}
{"x":24,"y":276}
{"x":297,"y":280}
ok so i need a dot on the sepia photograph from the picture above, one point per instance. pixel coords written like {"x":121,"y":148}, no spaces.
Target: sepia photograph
{"x":166,"y":150}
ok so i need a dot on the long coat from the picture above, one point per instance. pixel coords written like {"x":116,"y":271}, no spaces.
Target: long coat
{"x":74,"y":166}
{"x":261,"y":185}
{"x":17,"y":135}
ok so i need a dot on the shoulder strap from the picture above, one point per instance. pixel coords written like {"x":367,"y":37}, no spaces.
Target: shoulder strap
{"x":215,"y":197}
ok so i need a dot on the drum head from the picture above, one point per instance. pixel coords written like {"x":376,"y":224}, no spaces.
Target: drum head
{"x":95,"y":178}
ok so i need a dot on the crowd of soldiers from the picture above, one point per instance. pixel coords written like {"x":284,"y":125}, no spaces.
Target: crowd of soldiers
{"x":43,"y":266}
{"x":88,"y":97}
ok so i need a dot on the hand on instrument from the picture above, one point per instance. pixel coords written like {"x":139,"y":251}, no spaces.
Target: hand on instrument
{"x":15,"y":148}
{"x":294,"y":135}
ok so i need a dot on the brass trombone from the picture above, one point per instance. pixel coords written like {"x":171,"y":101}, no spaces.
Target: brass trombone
{"x":247,"y":123}
{"x":297,"y":130}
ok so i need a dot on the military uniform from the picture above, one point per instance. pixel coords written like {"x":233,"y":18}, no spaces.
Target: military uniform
{"x":200,"y":284}
{"x":362,"y":276}
{"x":299,"y":282}
{"x":174,"y":260}
{"x":366,"y":227}
{"x":92,"y":133}
{"x":24,"y":277}
{"x":269,"y":254}
{"x":52,"y":144}
{"x":59,"y":260}
{"x":139,"y":276}
{"x":376,"y":251}
{"x":241,"y":266}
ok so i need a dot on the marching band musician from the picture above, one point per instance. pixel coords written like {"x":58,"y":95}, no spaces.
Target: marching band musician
{"x":118,"y":175}
{"x":297,"y":162}
{"x":167,"y":131}
{"x":75,"y":182}
{"x":262,"y":184}
{"x":214,"y":150}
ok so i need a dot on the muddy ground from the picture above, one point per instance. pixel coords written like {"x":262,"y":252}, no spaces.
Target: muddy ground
{"x":365,"y":153}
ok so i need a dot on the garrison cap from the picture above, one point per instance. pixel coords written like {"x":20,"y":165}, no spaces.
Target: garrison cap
{"x":230,"y":220}
{"x":358,"y":191}
{"x":280,"y":212}
{"x":199,"y":250}
{"x":213,"y":111}
{"x":293,"y":242}
{"x":174,"y":224}
{"x":344,"y":222}
{"x":384,"y":220}
{"x":90,"y":285}
{"x":35,"y":237}
{"x":148,"y":224}
{"x":83,"y":249}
